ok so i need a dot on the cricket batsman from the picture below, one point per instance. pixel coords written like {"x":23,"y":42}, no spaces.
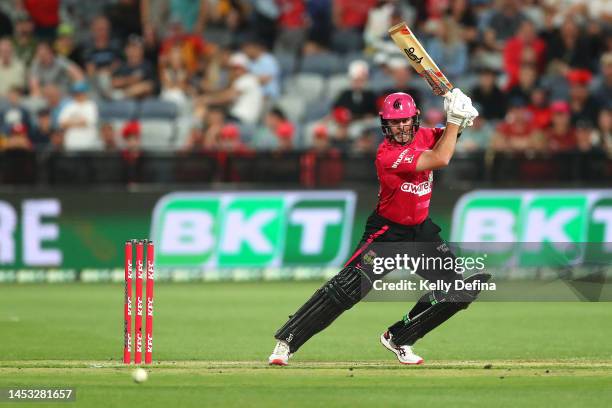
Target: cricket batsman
{"x":404,"y":164}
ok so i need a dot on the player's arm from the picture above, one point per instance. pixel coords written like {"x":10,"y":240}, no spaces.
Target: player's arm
{"x":459,"y":114}
{"x":442,"y":152}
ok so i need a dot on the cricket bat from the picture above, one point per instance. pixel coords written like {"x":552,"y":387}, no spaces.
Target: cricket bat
{"x":419,"y":59}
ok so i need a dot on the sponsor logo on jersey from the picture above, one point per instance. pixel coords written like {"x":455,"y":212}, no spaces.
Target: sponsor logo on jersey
{"x":420,"y":189}
{"x":400,"y":158}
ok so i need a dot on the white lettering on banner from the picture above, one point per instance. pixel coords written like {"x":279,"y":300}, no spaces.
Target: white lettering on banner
{"x":240,"y":228}
{"x":399,"y":159}
{"x":549,"y":229}
{"x":35,"y":232}
{"x":314,"y":223}
{"x":186,"y":232}
{"x":494,"y":225}
{"x":420,"y":189}
{"x":8,"y":223}
{"x":604,"y":216}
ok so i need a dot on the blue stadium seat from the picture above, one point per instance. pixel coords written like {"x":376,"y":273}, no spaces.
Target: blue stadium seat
{"x":323,"y":63}
{"x":306,"y":85}
{"x":158,"y":109}
{"x":117,"y":110}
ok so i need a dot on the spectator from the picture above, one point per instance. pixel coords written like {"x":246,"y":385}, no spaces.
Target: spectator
{"x":108,"y":137}
{"x":265,"y":66}
{"x":292,"y":24}
{"x":213,"y":123}
{"x":320,"y":17}
{"x":6,"y":25}
{"x":380,"y":17}
{"x":448,"y":50}
{"x":229,"y":140}
{"x":102,"y":56}
{"x":505,"y":20}
{"x":462,"y":13}
{"x":516,"y":133}
{"x":195,"y":140}
{"x":433,"y":118}
{"x":585,"y":136}
{"x":265,"y":137}
{"x":17,"y":138}
{"x":539,"y":107}
{"x":125,"y":18}
{"x":603,"y":133}
{"x":400,"y":72}
{"x":360,"y":101}
{"x":66,"y":46}
{"x":583,"y":105}
{"x":15,"y":113}
{"x":527,"y":82}
{"x":602,"y":87}
{"x":191,"y":14}
{"x":45,"y":15}
{"x":45,"y":135}
{"x":12,"y":69}
{"x":134,"y":78}
{"x":285,"y":133}
{"x":561,"y":135}
{"x":320,"y":139}
{"x":349,"y":18}
{"x":567,"y":48}
{"x":79,"y":119}
{"x":47,"y":68}
{"x":193,"y":48}
{"x":244,"y":95}
{"x":174,"y":78}
{"x":488,"y":95}
{"x":339,"y":136}
{"x":476,"y":138}
{"x":132,"y":152}
{"x":366,"y":142}
{"x":525,"y":48}
{"x":54,"y":101}
{"x":24,"y":42}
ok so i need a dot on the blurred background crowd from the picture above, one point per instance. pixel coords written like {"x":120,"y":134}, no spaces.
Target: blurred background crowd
{"x":239,"y":76}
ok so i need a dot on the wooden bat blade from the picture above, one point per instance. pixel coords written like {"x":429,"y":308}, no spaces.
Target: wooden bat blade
{"x":419,"y":59}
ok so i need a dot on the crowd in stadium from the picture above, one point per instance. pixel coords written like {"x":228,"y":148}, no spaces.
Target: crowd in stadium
{"x":238,"y":75}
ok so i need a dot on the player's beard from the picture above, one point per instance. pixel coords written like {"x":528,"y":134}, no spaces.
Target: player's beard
{"x":405,"y":136}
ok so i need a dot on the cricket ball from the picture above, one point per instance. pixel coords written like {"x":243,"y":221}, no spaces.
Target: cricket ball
{"x":139,"y":375}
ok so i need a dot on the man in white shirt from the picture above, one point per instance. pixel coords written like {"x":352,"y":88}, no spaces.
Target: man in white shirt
{"x":78,"y":119}
{"x":12,"y":69}
{"x":244,"y":97}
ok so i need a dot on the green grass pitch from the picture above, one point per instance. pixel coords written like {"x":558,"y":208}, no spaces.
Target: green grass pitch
{"x":212,"y":341}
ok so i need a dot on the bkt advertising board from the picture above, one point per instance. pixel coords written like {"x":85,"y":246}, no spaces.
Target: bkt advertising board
{"x":253,"y":229}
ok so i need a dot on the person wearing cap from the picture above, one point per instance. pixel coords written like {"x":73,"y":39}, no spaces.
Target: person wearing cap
{"x":135,"y":77}
{"x":17,"y":138}
{"x":130,"y":133}
{"x":266,"y":136}
{"x":229,"y":139}
{"x":66,"y":46}
{"x":50,"y":68}
{"x":45,"y":135}
{"x":560,"y":135}
{"x":582,"y":104}
{"x":15,"y":111}
{"x":244,"y":96}
{"x":79,"y":119}
{"x":358,"y":99}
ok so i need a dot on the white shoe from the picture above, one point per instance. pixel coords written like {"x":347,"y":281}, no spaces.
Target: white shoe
{"x":404,"y":354}
{"x":280,"y":355}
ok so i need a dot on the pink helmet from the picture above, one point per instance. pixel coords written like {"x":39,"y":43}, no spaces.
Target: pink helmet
{"x":398,"y":105}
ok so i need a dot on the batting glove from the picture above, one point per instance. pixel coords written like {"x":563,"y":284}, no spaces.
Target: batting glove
{"x":459,"y":109}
